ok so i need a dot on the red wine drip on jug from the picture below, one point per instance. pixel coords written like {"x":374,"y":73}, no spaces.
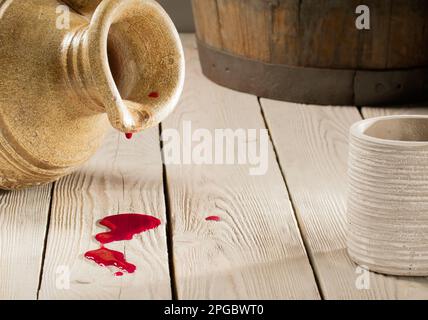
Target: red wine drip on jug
{"x":154,"y":94}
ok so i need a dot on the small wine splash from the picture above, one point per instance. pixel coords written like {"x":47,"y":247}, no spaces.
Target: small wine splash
{"x":213,"y":218}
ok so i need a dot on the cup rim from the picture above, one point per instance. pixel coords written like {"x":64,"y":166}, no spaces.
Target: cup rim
{"x":358,"y":130}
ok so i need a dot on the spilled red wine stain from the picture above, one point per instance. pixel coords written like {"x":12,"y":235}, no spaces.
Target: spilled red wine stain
{"x":213,"y":218}
{"x":107,"y":258}
{"x":122,"y":227}
{"x":154,"y":94}
{"x":125,"y":226}
{"x":128,"y":135}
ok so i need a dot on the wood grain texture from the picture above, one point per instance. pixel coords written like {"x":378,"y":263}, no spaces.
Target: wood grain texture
{"x":322,"y":24}
{"x":285,"y":33}
{"x":373,"y":44}
{"x":312,"y":146}
{"x":207,"y":22}
{"x":23,"y":219}
{"x":124,"y":176}
{"x":245,"y":27}
{"x":255,"y":251}
{"x":408,"y":36}
{"x":319,"y":34}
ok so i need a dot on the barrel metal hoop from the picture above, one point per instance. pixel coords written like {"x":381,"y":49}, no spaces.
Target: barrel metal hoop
{"x":320,"y":86}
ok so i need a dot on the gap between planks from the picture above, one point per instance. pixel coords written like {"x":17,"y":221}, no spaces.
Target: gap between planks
{"x":169,"y":240}
{"x":168,"y":229}
{"x":45,"y":241}
{"x":312,"y":145}
{"x":124,"y":176}
{"x":23,"y":219}
{"x":293,"y":206}
{"x":382,"y":283}
{"x":255,"y":251}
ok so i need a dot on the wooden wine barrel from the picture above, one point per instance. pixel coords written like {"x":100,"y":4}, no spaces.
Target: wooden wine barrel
{"x":311,"y":51}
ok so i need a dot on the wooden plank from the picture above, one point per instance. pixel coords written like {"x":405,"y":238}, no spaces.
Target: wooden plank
{"x":370,"y":112}
{"x":328,"y":37}
{"x":374,"y":43}
{"x":23,"y":219}
{"x":408,"y":40}
{"x":285,"y":42}
{"x":243,"y":23}
{"x":205,"y":13}
{"x":124,"y":176}
{"x":255,"y":251}
{"x":311,"y":143}
{"x":319,"y":34}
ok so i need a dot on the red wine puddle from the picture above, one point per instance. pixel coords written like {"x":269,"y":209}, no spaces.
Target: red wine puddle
{"x":125,"y":226}
{"x":110,"y":258}
{"x":122,"y":227}
{"x":213,"y":218}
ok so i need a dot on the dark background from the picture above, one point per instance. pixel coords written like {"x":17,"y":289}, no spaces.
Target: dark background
{"x":181,"y":13}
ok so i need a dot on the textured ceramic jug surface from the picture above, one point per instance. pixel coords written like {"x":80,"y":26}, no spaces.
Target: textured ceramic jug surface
{"x":388,"y":195}
{"x":63,"y":83}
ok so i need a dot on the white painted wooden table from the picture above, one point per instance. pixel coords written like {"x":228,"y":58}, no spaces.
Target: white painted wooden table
{"x":282,"y":235}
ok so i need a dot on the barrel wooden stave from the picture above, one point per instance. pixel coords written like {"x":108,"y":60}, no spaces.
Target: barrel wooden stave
{"x":315,"y":33}
{"x":310,"y":51}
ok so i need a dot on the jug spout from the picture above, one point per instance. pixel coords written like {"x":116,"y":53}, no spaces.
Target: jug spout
{"x":132,"y":60}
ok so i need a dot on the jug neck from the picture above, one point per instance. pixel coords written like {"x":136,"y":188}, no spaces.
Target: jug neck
{"x":78,"y":71}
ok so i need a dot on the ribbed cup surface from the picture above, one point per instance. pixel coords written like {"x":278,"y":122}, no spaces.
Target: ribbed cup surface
{"x":388,"y":201}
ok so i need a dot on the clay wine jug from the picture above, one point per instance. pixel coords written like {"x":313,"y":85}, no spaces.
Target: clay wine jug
{"x":70,"y":70}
